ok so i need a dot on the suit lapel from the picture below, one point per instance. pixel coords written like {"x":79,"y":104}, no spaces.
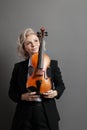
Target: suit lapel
{"x":24,"y":71}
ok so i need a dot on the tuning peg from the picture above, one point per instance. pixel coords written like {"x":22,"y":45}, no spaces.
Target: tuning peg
{"x":46,"y":33}
{"x":38,"y":34}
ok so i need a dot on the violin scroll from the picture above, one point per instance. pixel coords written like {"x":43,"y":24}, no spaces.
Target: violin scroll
{"x":42,"y":33}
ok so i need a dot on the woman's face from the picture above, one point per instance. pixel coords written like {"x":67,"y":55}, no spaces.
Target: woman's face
{"x":32,"y":44}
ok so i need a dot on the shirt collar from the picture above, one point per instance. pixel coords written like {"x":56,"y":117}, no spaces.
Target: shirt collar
{"x":29,"y":62}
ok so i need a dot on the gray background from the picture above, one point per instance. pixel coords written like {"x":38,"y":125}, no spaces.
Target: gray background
{"x":66,"y":23}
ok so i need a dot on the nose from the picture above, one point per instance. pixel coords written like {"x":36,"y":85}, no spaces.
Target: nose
{"x":33,"y":44}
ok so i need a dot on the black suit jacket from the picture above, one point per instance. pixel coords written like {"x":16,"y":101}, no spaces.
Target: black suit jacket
{"x":18,"y":86}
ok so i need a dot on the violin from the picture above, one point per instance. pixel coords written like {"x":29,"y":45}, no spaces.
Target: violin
{"x":39,"y":82}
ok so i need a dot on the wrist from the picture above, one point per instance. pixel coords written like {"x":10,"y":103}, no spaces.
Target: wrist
{"x":22,"y":96}
{"x":56,"y":93}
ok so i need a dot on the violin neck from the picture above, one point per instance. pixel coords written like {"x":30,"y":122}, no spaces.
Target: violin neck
{"x":40,"y":56}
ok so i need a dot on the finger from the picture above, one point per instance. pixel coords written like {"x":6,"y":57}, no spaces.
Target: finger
{"x":49,"y":95}
{"x":34,"y":96}
{"x":50,"y":91}
{"x":32,"y":93}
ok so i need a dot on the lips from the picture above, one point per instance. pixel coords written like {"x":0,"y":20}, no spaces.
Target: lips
{"x":35,"y":49}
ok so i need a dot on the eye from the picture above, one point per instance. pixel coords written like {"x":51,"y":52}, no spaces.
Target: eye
{"x":27,"y":43}
{"x":36,"y":40}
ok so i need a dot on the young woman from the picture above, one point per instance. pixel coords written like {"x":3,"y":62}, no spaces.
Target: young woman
{"x":34,"y":112}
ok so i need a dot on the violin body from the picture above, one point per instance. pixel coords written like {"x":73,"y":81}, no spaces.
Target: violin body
{"x":39,"y":82}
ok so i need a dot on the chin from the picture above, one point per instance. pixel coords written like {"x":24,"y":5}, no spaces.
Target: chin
{"x":33,"y":53}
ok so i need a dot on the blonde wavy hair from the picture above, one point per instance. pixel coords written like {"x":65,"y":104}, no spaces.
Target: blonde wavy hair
{"x":21,"y":39}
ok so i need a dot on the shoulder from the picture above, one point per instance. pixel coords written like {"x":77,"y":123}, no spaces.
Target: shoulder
{"x":22,"y":62}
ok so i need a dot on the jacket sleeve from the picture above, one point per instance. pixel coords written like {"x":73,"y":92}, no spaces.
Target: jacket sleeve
{"x":14,"y":91}
{"x":57,"y":79}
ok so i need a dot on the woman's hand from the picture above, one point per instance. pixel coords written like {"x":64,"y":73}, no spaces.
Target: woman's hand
{"x":29,"y":96}
{"x":50,"y":94}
